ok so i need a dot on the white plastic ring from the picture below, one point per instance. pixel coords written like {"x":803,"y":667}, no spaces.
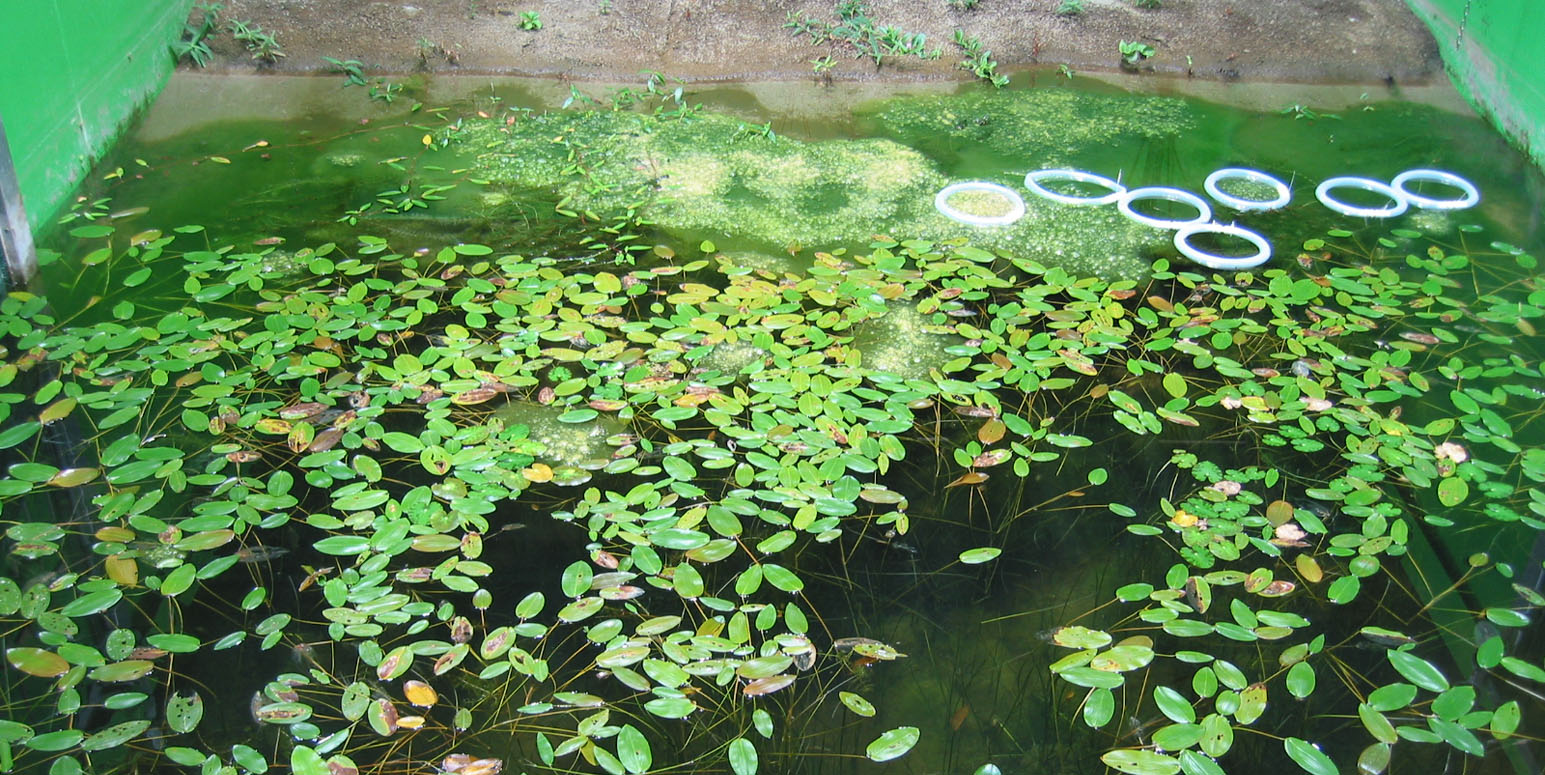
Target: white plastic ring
{"x":1214,"y":261}
{"x":1016,"y":204}
{"x":1471,"y":195}
{"x":1398,"y":203}
{"x":1284,"y":194}
{"x":1203,"y":212}
{"x":1033,"y":182}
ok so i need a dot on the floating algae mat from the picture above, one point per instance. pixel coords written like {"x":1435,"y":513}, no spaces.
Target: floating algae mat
{"x":485,"y":439}
{"x":716,"y":175}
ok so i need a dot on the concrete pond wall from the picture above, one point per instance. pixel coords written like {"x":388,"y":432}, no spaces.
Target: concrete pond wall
{"x":75,"y":73}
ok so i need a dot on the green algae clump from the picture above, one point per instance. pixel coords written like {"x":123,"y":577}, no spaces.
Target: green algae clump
{"x":1035,"y":129}
{"x":708,"y":176}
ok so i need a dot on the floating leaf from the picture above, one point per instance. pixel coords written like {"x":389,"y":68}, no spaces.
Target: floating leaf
{"x":1174,"y":705}
{"x":1300,"y":680}
{"x":970,"y":477}
{"x":343,"y":545}
{"x":1374,"y":759}
{"x":633,"y":750}
{"x":1504,"y":720}
{"x":892,"y":744}
{"x":1140,"y":762}
{"x":127,"y":670}
{"x":283,"y":713}
{"x":419,"y":693}
{"x":980,"y":555}
{"x":1418,"y":671}
{"x":39,"y":662}
{"x":857,"y":704}
{"x":1080,"y":637}
{"x":73,"y":477}
{"x":1308,"y":757}
{"x":306,"y":761}
{"x":768,"y":685}
{"x":670,"y":707}
{"x":395,"y":663}
{"x":61,"y":740}
{"x":1252,"y":703}
{"x":743,"y":758}
{"x":115,"y":735}
{"x":1453,"y":491}
{"x":1099,"y":708}
{"x":183,"y":712}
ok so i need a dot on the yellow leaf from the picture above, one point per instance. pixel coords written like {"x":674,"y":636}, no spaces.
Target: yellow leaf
{"x":1308,"y":568}
{"x":420,"y":694}
{"x":428,"y":141}
{"x":123,"y":570}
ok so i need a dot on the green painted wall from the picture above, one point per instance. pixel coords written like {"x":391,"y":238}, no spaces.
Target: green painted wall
{"x":75,"y":73}
{"x":1490,"y":48}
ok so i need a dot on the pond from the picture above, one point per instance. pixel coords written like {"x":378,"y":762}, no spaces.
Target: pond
{"x":514,"y":425}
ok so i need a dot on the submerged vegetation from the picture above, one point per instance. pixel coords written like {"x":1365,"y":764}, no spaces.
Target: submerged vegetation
{"x":635,"y":501}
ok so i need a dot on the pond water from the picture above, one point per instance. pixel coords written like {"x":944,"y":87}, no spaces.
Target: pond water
{"x":631,"y":429}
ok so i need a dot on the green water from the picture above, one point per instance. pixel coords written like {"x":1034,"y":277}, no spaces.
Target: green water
{"x":440,"y":231}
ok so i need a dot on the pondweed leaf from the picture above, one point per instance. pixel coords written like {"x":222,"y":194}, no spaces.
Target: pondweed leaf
{"x":980,"y":555}
{"x":743,"y":757}
{"x":1140,"y":762}
{"x":633,"y":750}
{"x":1418,"y":671}
{"x":1099,"y":707}
{"x":183,"y":712}
{"x":892,"y":744}
{"x":857,"y":704}
{"x":35,"y":661}
{"x":1309,"y":757}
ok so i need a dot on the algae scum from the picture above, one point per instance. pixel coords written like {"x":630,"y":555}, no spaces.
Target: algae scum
{"x":651,"y":438}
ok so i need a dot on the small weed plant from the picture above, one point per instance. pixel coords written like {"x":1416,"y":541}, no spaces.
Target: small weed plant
{"x":1134,"y":52}
{"x":260,"y":43}
{"x":531,"y":21}
{"x":855,"y":30}
{"x":352,"y":70}
{"x":1070,"y":8}
{"x":194,"y":42}
{"x":978,"y":61}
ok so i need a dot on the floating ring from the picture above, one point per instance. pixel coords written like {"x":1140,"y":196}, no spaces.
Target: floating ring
{"x":1203,"y":212}
{"x":1033,"y":182}
{"x":1212,"y":260}
{"x":1016,"y":204}
{"x":1472,"y":195}
{"x":1398,"y":201}
{"x":1284,"y":194}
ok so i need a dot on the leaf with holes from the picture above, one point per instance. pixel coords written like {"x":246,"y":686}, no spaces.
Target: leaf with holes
{"x":183,"y":713}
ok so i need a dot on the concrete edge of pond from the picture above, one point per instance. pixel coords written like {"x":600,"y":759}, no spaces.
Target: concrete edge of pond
{"x":1345,"y":41}
{"x":194,"y":99}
